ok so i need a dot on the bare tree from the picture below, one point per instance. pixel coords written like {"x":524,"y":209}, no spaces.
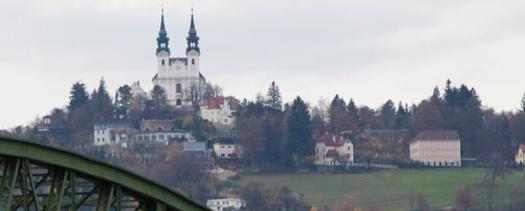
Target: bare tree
{"x":195,"y":97}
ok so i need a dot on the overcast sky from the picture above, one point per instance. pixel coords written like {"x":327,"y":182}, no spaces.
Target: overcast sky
{"x":368,"y":50}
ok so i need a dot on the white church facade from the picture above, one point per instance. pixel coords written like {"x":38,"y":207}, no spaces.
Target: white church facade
{"x":180,"y":77}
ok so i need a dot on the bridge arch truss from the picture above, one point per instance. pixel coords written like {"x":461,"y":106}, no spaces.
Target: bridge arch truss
{"x":36,"y":177}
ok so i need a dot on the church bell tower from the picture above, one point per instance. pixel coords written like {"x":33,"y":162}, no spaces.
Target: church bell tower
{"x":163,"y":50}
{"x":192,"y":50}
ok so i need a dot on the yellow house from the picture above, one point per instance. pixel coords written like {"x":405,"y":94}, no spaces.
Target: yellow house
{"x":437,"y":148}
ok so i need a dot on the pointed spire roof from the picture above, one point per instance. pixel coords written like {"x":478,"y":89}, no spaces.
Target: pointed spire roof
{"x":192,"y":25}
{"x":162,"y":30}
{"x":192,"y":39}
{"x":162,"y":39}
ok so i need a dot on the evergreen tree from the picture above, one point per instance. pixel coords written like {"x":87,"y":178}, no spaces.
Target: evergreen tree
{"x":436,"y":96}
{"x":100,"y":103}
{"x":352,"y":109}
{"x":273,"y":97}
{"x":337,"y":113}
{"x":158,"y":98}
{"x":272,"y":132}
{"x":387,"y":114}
{"x":123,"y":99}
{"x":78,"y":96}
{"x":402,"y":119}
{"x":299,"y":131}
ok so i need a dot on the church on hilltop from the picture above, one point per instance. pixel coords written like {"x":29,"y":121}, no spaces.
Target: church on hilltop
{"x":180,"y":77}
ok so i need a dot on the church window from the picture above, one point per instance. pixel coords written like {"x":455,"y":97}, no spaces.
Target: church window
{"x":163,"y":62}
{"x":178,"y":88}
{"x":193,"y":61}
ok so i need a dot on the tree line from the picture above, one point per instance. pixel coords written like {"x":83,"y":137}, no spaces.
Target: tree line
{"x":280,"y":135}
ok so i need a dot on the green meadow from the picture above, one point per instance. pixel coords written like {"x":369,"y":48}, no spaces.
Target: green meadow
{"x":390,"y":190}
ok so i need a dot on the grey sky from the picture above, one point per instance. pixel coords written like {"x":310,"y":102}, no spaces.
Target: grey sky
{"x":368,"y":50}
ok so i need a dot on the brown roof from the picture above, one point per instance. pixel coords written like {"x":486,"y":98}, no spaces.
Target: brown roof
{"x":332,"y":140}
{"x":522,"y":147}
{"x":438,"y":135}
{"x":215,"y":102}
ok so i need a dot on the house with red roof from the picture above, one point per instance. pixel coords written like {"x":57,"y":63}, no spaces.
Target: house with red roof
{"x":220,"y":111}
{"x":519,"y":157}
{"x":436,"y":148}
{"x":333,"y":150}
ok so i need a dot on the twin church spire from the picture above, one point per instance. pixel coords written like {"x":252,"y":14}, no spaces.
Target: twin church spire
{"x":163,"y":39}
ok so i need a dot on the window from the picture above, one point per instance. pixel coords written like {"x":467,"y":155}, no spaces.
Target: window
{"x":163,"y":62}
{"x":178,"y":88}
{"x":179,"y":102}
{"x":193,"y":61}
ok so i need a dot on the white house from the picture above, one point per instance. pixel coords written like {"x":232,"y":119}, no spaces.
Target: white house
{"x":112,"y":133}
{"x":180,"y":76}
{"x":219,"y":110}
{"x":227,"y":203}
{"x":160,"y":130}
{"x":162,"y":136}
{"x":520,"y":154}
{"x":437,"y":148}
{"x":227,"y":151}
{"x":334,"y":150}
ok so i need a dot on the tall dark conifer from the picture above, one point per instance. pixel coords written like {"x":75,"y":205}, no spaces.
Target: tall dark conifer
{"x":101,"y":104}
{"x":78,"y":96}
{"x":299,"y":129}
{"x":123,"y":99}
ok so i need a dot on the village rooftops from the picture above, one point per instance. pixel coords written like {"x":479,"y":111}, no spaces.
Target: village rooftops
{"x":437,"y":135}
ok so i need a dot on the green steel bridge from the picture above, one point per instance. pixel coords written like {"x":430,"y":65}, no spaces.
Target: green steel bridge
{"x":37,"y":177}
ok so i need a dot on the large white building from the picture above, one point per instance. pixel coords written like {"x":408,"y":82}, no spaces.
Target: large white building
{"x":227,"y":151}
{"x":436,"y":148}
{"x":225,"y":204}
{"x":334,"y":150}
{"x":112,"y":133}
{"x":179,"y":76}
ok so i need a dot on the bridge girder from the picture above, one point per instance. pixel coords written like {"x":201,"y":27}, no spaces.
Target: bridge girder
{"x":36,"y":177}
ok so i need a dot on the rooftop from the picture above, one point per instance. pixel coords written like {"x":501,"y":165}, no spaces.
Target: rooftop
{"x":194,"y":146}
{"x":437,"y":135}
{"x":333,"y":140}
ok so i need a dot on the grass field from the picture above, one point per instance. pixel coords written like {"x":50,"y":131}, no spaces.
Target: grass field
{"x":389,"y":190}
